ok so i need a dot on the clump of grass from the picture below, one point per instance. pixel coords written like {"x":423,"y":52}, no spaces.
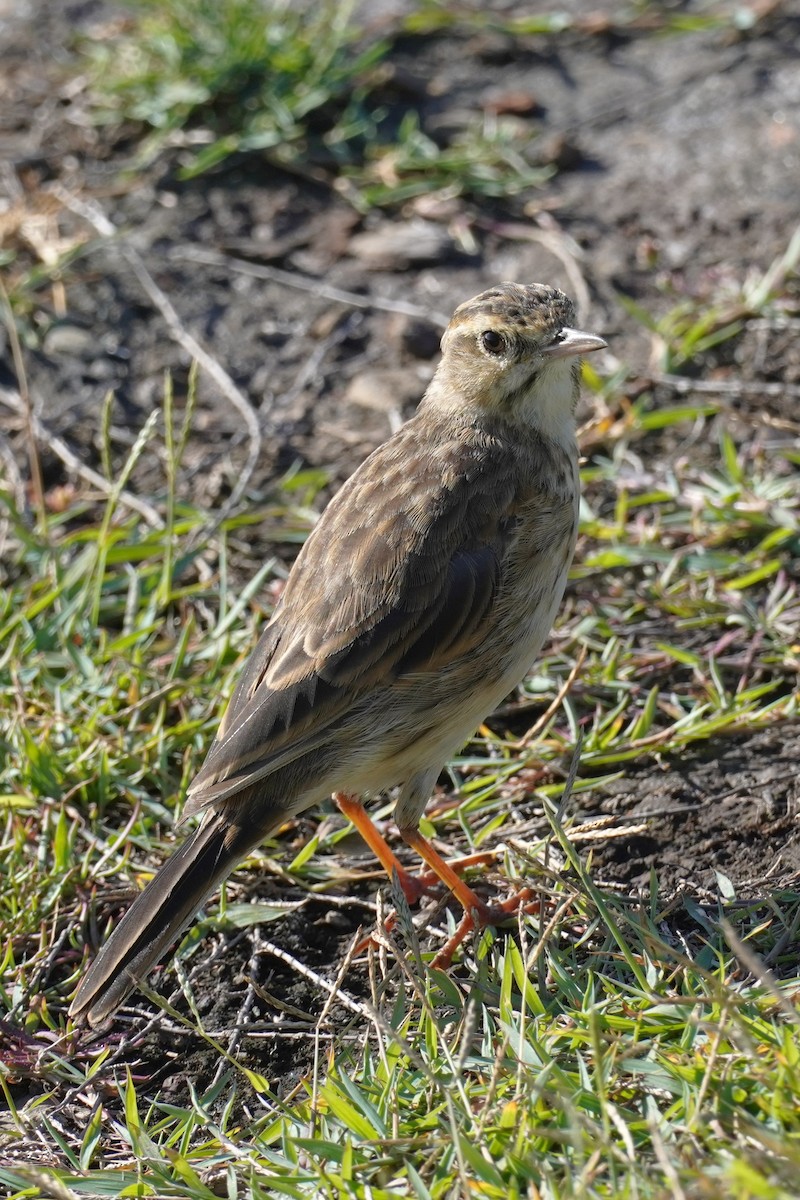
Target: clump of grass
{"x":298,"y":85}
{"x":489,"y":158}
{"x":694,"y":325}
{"x":242,"y":75}
{"x":106,"y":635}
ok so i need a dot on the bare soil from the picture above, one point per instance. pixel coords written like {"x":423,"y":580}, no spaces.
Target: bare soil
{"x":678,"y":160}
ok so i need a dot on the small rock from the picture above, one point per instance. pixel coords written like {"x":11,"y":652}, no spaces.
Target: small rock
{"x":331,"y":233}
{"x":557,"y":150}
{"x":389,"y":390}
{"x":65,"y":338}
{"x":436,"y":206}
{"x":395,"y":247}
{"x":387,"y":82}
{"x":337,"y":921}
{"x":323,"y":326}
{"x":518,"y":101}
{"x":496,"y":49}
{"x":416,"y":336}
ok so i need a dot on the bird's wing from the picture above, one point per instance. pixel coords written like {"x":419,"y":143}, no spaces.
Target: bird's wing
{"x":399,"y":574}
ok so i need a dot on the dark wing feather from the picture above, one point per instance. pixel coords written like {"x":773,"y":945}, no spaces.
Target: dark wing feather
{"x":399,"y":574}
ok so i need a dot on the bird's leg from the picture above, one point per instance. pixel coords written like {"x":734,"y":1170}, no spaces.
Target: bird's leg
{"x":352,"y":808}
{"x":477,"y":914}
{"x":444,"y":871}
{"x":413,"y":886}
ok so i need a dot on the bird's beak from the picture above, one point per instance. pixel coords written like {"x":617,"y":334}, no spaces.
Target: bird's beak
{"x":571,"y":342}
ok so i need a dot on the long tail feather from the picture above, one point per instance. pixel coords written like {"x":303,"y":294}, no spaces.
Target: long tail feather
{"x":160,"y":914}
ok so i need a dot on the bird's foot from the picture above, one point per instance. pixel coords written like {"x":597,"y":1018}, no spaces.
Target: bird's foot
{"x":414,"y":887}
{"x":481,"y":916}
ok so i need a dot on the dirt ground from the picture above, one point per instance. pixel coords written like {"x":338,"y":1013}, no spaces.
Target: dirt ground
{"x":678,"y":166}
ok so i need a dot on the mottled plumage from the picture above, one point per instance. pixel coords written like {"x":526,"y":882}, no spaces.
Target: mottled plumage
{"x":417,"y":603}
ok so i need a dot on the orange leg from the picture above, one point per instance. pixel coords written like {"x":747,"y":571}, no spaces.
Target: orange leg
{"x":413,"y":886}
{"x":442,"y":870}
{"x":352,"y":808}
{"x":477,"y":914}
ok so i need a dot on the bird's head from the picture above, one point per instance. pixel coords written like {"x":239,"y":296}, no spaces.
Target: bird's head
{"x":512,"y":352}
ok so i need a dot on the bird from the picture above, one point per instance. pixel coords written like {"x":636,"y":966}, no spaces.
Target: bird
{"x":418,"y":602}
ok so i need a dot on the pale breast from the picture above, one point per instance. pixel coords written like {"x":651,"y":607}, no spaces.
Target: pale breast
{"x":441,"y":711}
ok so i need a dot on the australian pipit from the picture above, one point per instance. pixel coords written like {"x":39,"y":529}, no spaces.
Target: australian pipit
{"x":418,"y":602}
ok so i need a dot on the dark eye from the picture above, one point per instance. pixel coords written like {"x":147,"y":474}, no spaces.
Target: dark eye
{"x":492,"y":341}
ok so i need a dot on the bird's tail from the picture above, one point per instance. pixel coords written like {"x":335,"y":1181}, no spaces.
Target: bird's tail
{"x":161,"y":912}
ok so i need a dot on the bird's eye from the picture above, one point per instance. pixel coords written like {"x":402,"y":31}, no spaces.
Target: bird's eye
{"x":492,"y":341}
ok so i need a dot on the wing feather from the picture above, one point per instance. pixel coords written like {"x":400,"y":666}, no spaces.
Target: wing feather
{"x":367,"y":601}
